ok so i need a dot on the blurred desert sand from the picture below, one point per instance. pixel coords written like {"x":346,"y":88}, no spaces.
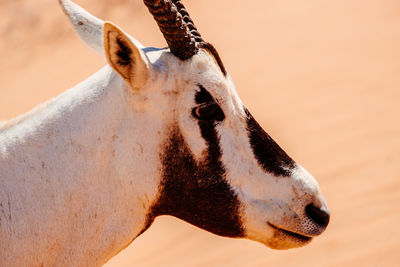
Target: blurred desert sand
{"x":322,"y":77}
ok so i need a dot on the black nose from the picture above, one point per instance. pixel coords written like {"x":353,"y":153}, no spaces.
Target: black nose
{"x":318,"y":215}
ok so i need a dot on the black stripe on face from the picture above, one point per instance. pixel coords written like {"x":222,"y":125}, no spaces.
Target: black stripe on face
{"x":268,"y":153}
{"x":203,"y":96}
{"x":197,"y":191}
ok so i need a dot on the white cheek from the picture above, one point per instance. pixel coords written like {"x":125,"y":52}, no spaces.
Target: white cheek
{"x":243,"y":172}
{"x":192,"y":135}
{"x":264,"y":197}
{"x":189,"y":127}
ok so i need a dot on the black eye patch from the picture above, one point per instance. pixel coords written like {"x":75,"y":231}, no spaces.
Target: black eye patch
{"x":208,"y":109}
{"x":203,"y":96}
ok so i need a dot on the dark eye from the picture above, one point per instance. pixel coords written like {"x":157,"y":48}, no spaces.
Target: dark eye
{"x":208,"y":111}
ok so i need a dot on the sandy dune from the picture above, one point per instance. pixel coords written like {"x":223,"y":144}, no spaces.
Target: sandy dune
{"x":323,"y":77}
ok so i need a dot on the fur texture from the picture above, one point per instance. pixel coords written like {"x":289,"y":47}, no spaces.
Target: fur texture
{"x":84,"y":174}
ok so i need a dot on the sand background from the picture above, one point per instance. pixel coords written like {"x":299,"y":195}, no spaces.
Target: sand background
{"x":322,"y":77}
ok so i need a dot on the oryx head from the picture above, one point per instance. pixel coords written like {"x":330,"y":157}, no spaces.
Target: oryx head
{"x":220,"y":170}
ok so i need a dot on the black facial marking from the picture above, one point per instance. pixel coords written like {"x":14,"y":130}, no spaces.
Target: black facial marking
{"x":268,"y":153}
{"x":208,"y":108}
{"x":124,"y":53}
{"x":203,"y":96}
{"x":197,"y":191}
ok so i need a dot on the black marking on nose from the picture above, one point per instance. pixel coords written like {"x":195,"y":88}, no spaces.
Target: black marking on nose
{"x":269,"y":154}
{"x":197,"y":191}
{"x":318,"y":215}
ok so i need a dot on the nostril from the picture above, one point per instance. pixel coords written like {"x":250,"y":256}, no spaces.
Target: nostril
{"x":318,"y":215}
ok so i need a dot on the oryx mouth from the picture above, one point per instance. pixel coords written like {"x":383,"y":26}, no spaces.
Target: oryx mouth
{"x":298,"y":237}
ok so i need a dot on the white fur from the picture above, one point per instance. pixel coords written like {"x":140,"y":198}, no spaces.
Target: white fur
{"x":77,"y":184}
{"x":79,"y":173}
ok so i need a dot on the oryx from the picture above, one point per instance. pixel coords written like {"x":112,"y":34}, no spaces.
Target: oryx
{"x":155,"y":132}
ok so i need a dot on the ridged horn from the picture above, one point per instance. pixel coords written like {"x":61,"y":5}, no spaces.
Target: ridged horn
{"x":176,"y":31}
{"x":196,"y":35}
{"x":189,"y":22}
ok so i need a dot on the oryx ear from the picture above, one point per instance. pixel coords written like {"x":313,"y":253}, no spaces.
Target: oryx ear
{"x":127,"y":59}
{"x":89,"y":28}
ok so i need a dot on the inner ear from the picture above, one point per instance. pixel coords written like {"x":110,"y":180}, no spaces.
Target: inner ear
{"x":128,"y":60}
{"x":122,"y":52}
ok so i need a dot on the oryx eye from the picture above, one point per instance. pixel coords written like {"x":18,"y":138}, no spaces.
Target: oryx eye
{"x":208,"y":111}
